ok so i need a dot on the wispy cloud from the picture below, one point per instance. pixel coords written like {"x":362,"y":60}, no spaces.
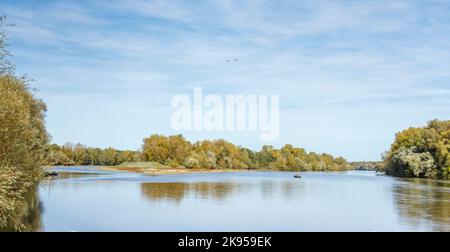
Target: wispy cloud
{"x":362,"y":69}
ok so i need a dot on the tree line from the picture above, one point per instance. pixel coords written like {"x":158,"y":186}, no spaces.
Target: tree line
{"x":420,"y":152}
{"x":366,"y":165}
{"x":78,"y":154}
{"x":176,"y":151}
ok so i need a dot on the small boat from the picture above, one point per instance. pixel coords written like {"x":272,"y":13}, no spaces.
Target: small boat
{"x":297,"y":176}
{"x":50,"y":173}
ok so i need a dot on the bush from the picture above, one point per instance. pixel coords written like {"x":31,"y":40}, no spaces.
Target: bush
{"x":191,"y":163}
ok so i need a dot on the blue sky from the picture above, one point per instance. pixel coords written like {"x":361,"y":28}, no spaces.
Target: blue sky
{"x":350,"y":74}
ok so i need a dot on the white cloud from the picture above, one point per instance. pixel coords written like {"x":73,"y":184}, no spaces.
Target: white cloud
{"x":324,"y":58}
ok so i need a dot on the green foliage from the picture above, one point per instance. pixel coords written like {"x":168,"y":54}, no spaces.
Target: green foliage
{"x":421,"y":152}
{"x":23,"y":137}
{"x":413,"y":164}
{"x":367,"y":165}
{"x":23,"y":140}
{"x":78,"y":154}
{"x":191,"y":163}
{"x":176,"y":151}
{"x":166,"y":150}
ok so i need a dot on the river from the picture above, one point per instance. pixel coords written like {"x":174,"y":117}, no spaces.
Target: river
{"x":89,"y":199}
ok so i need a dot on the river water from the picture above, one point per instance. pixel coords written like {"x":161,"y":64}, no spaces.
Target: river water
{"x":88,"y":199}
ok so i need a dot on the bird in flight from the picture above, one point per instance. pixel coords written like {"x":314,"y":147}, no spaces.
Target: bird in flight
{"x":235,"y":59}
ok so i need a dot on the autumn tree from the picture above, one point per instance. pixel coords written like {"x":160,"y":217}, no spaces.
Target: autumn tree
{"x":23,"y":140}
{"x":176,"y":151}
{"x":420,"y":152}
{"x":23,"y":137}
{"x":171,"y":150}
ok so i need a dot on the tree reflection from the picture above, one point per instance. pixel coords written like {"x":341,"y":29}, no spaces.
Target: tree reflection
{"x":26,"y":216}
{"x":73,"y":175}
{"x":178,"y":191}
{"x":422,"y":202}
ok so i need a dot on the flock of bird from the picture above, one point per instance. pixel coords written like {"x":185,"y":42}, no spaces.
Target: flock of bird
{"x":229,"y":60}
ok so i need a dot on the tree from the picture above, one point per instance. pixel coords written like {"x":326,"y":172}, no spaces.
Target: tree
{"x":176,"y":151}
{"x":191,"y":162}
{"x":6,"y":66}
{"x":23,"y":141}
{"x":23,"y":138}
{"x":420,"y":152}
{"x":407,"y":162}
{"x":165,"y":150}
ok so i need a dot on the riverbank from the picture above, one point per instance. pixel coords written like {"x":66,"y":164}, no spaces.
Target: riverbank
{"x":167,"y":171}
{"x":156,"y":169}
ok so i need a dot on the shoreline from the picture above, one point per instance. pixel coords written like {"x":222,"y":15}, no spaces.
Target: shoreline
{"x":168,"y":171}
{"x":178,"y":171}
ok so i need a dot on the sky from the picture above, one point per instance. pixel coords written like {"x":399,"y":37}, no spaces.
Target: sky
{"x":349,"y":74}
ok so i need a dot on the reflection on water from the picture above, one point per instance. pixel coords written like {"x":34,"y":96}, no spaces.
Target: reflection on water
{"x":71,"y":175}
{"x":178,"y":191}
{"x":422,"y":202}
{"x":28,"y":216}
{"x":86,"y":200}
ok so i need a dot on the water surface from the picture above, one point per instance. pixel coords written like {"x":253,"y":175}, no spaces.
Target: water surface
{"x":88,"y":199}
